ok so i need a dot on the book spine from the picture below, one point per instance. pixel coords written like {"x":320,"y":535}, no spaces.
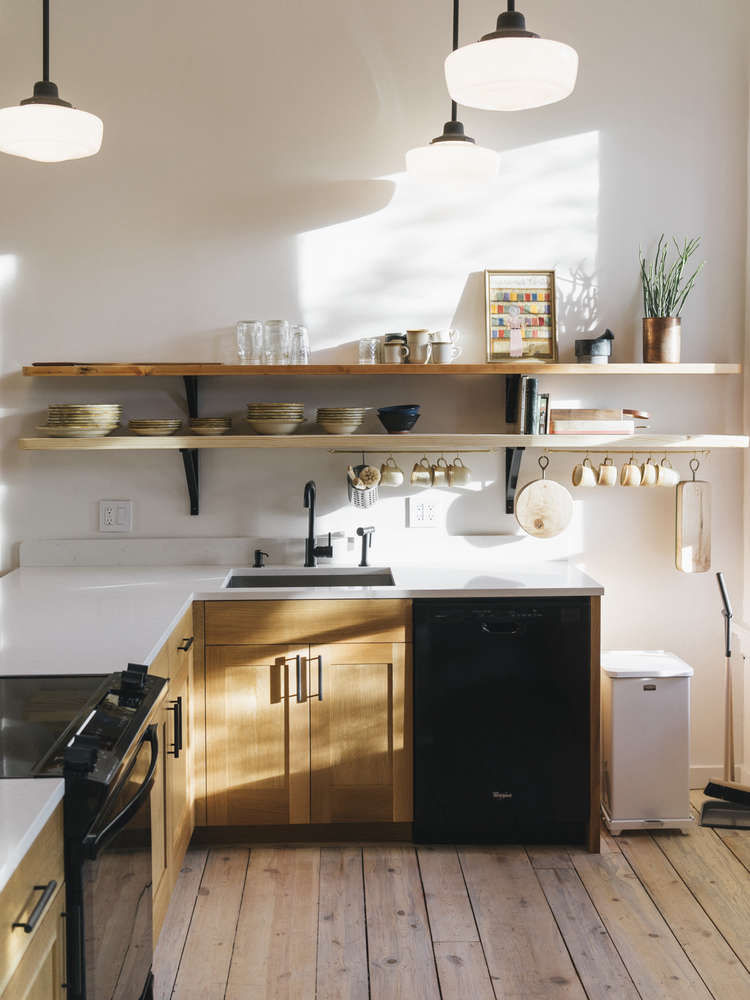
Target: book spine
{"x":521,"y":422}
{"x":531,"y":424}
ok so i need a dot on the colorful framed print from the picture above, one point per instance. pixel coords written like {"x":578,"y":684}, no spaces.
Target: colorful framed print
{"x":520,"y":315}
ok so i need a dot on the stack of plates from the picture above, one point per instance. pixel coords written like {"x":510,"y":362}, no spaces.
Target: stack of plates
{"x":154,"y":428}
{"x":341,"y":419}
{"x":275,"y":418}
{"x":210,"y":426}
{"x":81,"y":419}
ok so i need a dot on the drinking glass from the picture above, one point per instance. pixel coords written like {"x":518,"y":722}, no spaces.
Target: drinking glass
{"x":250,"y":342}
{"x":300,"y":349}
{"x":369,"y":350}
{"x":276,"y":342}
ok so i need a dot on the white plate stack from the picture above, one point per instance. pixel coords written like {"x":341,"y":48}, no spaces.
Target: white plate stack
{"x":341,"y":419}
{"x":81,"y":420}
{"x":275,"y":418}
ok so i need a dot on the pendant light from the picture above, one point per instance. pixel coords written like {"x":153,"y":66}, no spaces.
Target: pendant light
{"x":452,"y":157}
{"x":511,"y":69}
{"x":44,"y":127}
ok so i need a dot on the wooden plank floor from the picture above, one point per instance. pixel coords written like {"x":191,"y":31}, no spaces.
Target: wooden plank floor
{"x":654,"y":916}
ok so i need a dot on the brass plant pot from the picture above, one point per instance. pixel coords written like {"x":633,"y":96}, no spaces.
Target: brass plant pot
{"x":661,"y":340}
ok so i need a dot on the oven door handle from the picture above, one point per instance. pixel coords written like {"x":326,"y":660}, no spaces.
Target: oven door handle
{"x":95,"y":842}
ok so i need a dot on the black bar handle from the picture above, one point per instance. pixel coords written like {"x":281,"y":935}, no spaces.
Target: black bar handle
{"x":177,"y":719}
{"x":47,"y":892}
{"x":319,"y":658}
{"x":510,"y":629}
{"x":94,"y":842}
{"x":727,"y":612}
{"x":187,"y":642}
{"x":299,"y":678}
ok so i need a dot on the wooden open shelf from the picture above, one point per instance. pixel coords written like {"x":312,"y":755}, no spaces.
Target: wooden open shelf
{"x":498,"y":368}
{"x":385,"y":443}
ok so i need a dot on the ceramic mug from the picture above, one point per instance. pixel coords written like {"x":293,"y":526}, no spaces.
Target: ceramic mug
{"x":395,"y":353}
{"x":630,"y":474}
{"x":444,"y":354}
{"x":390,"y":473}
{"x":421,"y":474}
{"x":607,"y":475}
{"x":440,"y":472}
{"x":583,"y":474}
{"x":649,"y":472}
{"x":420,"y":346}
{"x":458,"y":473}
{"x":666,"y":475}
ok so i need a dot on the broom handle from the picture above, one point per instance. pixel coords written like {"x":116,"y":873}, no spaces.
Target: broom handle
{"x":728,"y":705}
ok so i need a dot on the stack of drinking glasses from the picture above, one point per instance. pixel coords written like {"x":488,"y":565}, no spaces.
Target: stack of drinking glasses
{"x":272,"y":342}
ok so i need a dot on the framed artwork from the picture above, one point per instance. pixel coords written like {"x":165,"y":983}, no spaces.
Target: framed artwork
{"x":520,"y":309}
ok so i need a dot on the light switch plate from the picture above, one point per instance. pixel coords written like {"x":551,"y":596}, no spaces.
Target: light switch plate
{"x":116,"y":515}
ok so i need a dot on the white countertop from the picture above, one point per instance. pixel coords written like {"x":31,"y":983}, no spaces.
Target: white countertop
{"x":95,"y":620}
{"x":25,"y":806}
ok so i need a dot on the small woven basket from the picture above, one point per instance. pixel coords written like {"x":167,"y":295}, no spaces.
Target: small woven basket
{"x":361,"y":499}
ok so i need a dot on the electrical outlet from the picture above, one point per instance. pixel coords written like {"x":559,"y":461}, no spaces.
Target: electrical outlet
{"x":116,"y":515}
{"x":422,"y":512}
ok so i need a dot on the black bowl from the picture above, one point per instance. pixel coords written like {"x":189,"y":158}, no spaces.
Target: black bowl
{"x":401,"y":408}
{"x":397,"y":422}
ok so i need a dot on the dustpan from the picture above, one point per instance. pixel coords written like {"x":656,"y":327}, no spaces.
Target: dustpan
{"x":731,"y":809}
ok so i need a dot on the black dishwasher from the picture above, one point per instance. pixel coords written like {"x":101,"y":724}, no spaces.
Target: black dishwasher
{"x":501,"y":724}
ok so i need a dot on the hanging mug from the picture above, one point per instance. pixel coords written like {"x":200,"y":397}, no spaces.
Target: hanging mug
{"x":583,"y":474}
{"x":390,"y":473}
{"x":440,"y":472}
{"x":630,"y":474}
{"x":649,"y":472}
{"x":666,"y":475}
{"x":421,"y":474}
{"x":458,"y":473}
{"x":607,"y":475}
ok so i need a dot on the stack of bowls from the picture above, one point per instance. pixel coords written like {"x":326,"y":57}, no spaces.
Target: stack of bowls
{"x":154,"y":428}
{"x":341,"y":419}
{"x":210,"y":426}
{"x":275,"y":418}
{"x":83,"y":420}
{"x":399,"y":419}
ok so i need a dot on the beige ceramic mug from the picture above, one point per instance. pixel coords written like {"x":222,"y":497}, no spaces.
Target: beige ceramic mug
{"x":630,"y":474}
{"x":444,"y":354}
{"x":607,"y":475}
{"x":649,"y":472}
{"x":390,"y":473}
{"x":421,"y":474}
{"x":583,"y":474}
{"x":666,"y":475}
{"x":420,"y":346}
{"x":458,"y":473}
{"x":395,"y":353}
{"x":440,"y":472}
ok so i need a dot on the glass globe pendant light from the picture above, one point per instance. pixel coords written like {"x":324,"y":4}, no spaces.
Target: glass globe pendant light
{"x":511,"y":69}
{"x":452,"y":157}
{"x":44,"y":127}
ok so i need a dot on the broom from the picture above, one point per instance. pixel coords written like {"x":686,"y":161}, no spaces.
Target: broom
{"x":719,"y":813}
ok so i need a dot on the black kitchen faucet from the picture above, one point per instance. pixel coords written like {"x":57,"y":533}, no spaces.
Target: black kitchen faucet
{"x":313,"y":551}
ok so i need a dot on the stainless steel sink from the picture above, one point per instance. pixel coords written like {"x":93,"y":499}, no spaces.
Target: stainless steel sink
{"x":266,"y":578}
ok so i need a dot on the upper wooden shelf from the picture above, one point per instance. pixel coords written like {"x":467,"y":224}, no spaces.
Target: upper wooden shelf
{"x":498,"y":368}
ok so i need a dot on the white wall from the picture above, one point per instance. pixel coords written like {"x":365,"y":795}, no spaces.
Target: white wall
{"x":252,"y":166}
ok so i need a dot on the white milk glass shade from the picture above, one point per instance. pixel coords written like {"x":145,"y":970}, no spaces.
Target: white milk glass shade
{"x":49,"y":132}
{"x":511,"y":74}
{"x":452,"y":161}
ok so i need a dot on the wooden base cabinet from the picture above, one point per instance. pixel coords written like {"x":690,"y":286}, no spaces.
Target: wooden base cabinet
{"x":40,"y":974}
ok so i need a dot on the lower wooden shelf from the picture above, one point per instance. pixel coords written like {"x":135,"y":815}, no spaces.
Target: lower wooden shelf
{"x":386,"y":443}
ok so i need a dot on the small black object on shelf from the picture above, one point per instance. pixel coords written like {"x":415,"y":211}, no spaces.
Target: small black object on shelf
{"x":596,"y":350}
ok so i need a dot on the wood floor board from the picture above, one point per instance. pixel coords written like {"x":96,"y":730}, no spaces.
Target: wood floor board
{"x":448,"y":905}
{"x":275,"y":949}
{"x":738,"y":841}
{"x":655,"y":961}
{"x":542,"y":856}
{"x":342,"y":972}
{"x":208,"y":949}
{"x":597,"y":962}
{"x":177,"y":922}
{"x":525,"y":952}
{"x":462,"y":970}
{"x":402,"y":964}
{"x":706,"y":948}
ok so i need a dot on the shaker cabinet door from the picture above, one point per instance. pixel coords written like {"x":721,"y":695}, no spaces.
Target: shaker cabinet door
{"x":360,"y":739}
{"x":257,"y":735}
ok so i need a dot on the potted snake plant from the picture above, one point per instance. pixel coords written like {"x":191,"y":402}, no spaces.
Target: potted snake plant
{"x":665,"y":290}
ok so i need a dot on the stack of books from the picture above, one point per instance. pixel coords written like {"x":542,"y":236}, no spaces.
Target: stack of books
{"x":532,"y":407}
{"x":590,"y":422}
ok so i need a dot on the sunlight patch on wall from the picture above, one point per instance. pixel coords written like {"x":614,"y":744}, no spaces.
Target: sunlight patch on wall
{"x":408,"y":263}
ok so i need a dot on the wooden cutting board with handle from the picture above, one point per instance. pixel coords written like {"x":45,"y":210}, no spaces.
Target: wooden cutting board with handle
{"x":544,"y":508}
{"x":693,"y":524}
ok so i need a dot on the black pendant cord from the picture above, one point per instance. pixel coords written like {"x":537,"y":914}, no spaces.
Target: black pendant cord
{"x":454,"y":109}
{"x":511,"y":6}
{"x":45,"y":40}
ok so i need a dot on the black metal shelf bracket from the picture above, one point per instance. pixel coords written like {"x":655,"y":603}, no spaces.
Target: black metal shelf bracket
{"x":190,"y":455}
{"x":513,"y":458}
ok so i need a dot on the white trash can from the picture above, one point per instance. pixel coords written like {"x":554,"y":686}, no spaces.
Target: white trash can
{"x":645,"y":740}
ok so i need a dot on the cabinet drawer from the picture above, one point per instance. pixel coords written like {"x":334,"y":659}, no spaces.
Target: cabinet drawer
{"x":307,"y":622}
{"x":42,"y":863}
{"x":40,"y":974}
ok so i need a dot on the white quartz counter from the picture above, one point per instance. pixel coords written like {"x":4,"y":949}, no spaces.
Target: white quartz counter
{"x":25,"y":806}
{"x":95,"y":620}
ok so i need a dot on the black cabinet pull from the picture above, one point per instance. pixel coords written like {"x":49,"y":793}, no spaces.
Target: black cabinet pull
{"x":187,"y":642}
{"x":510,"y":630}
{"x":47,"y":892}
{"x":299,"y":677}
{"x":177,"y":744}
{"x":319,"y":658}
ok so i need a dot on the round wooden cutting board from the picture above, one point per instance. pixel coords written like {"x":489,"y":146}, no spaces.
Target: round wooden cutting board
{"x":544,"y":508}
